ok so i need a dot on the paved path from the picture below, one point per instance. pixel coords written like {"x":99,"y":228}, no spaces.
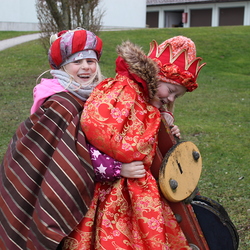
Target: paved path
{"x":4,"y":44}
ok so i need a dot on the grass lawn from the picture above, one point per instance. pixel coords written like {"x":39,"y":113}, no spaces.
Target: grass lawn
{"x":215,"y":117}
{"x":11,"y":34}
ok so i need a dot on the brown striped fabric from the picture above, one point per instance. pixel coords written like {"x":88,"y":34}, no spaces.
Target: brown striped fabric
{"x":46,"y":178}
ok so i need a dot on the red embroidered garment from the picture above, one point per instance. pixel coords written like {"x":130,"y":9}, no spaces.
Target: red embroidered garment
{"x":127,"y":213}
{"x":119,"y":122}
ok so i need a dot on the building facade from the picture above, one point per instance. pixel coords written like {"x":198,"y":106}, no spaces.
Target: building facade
{"x":193,"y":13}
{"x":123,"y":14}
{"x":20,"y":15}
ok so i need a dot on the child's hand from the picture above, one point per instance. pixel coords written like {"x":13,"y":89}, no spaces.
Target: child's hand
{"x":134,"y":169}
{"x":176,"y":131}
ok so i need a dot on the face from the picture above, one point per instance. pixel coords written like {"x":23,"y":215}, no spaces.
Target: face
{"x":81,"y":70}
{"x":167,"y":93}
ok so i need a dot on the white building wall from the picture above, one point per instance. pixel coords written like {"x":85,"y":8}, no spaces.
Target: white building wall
{"x":20,"y":15}
{"x":247,"y":14}
{"x":124,"y":13}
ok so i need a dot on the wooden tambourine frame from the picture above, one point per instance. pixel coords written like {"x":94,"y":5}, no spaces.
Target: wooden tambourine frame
{"x":180,"y":171}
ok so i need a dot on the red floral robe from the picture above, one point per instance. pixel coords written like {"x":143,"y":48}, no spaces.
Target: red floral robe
{"x":127,"y":213}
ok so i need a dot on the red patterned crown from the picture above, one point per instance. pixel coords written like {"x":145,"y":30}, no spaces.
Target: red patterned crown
{"x":177,"y":61}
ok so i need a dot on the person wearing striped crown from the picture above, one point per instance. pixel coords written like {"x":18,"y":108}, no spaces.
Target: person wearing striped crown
{"x":121,"y":118}
{"x":46,"y":177}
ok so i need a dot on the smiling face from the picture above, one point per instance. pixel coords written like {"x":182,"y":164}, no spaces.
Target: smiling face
{"x":81,"y":70}
{"x":167,"y":93}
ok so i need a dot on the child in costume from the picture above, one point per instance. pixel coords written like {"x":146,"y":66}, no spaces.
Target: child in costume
{"x":122,"y":118}
{"x":46,"y":177}
{"x":75,"y":48}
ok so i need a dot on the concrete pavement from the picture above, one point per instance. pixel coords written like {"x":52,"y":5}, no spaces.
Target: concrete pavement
{"x":5,"y":44}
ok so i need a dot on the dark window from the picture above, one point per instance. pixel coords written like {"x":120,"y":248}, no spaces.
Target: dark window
{"x":173,"y":19}
{"x":152,"y":19}
{"x":201,"y":17}
{"x":231,"y":16}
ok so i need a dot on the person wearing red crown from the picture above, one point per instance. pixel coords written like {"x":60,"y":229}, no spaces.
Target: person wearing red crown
{"x":178,"y":71}
{"x":121,"y":118}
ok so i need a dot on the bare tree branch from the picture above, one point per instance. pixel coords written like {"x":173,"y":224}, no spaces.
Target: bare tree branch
{"x":57,"y":15}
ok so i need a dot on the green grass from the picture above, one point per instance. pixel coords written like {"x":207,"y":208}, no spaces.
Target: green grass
{"x":215,"y":117}
{"x":11,"y":34}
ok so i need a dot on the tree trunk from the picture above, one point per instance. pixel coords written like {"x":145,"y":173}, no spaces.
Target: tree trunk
{"x":52,"y":5}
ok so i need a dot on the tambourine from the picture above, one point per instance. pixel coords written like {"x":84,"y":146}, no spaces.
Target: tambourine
{"x":180,"y":171}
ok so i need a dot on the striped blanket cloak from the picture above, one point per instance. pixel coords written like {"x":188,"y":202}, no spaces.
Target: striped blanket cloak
{"x":46,"y":178}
